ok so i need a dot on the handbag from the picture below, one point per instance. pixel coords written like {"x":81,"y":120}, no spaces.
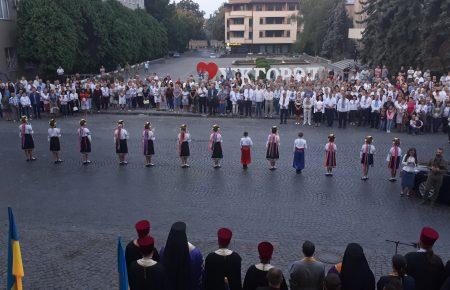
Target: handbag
{"x":75,"y":109}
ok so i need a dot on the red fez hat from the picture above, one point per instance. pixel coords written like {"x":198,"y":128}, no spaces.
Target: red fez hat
{"x":265,"y":250}
{"x":428,"y":236}
{"x":224,"y":236}
{"x":142,"y":228}
{"x":146,"y":245}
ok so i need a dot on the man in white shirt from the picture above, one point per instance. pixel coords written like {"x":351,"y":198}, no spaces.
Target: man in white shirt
{"x":259,"y":99}
{"x":342,"y":109}
{"x":284,"y":105}
{"x":365,"y":104}
{"x":292,"y":95}
{"x":25,"y":104}
{"x":376,"y":107}
{"x":329,"y":102}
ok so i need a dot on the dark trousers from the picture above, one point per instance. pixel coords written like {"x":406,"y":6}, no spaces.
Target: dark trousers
{"x":37,"y":111}
{"x":248,"y":108}
{"x":97,"y":103}
{"x":364,"y":117}
{"x":291,"y":108}
{"x":241,"y":105}
{"x":283,"y":116}
{"x":202,"y":105}
{"x":105,"y":103}
{"x":342,"y":118}
{"x":26,"y":111}
{"x":436,"y":124}
{"x":212,"y":107}
{"x":375,"y":120}
{"x":329,"y":113}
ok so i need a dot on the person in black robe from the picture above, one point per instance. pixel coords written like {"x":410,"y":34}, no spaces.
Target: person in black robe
{"x":146,"y":273}
{"x":424,"y":266}
{"x":132,"y":251}
{"x":256,"y":275}
{"x":446,"y":285}
{"x":274,"y":278}
{"x":222,"y":264}
{"x":356,"y":273}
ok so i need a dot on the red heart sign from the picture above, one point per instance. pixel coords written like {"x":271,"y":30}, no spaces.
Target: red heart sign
{"x":211,"y":68}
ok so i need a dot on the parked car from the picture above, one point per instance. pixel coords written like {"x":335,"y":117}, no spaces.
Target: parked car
{"x":421,"y":180}
{"x":176,"y":54}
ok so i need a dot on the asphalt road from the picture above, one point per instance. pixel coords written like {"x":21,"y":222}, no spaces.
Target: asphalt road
{"x":69,"y":215}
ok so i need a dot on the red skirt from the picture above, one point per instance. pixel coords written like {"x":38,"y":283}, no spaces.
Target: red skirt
{"x":246,"y":157}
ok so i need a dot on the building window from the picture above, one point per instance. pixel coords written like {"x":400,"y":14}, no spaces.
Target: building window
{"x":4,"y":9}
{"x":250,"y":22}
{"x":261,"y":34}
{"x":274,"y":33}
{"x":237,"y":34}
{"x":279,"y":7}
{"x":250,"y":35}
{"x":11,"y":58}
{"x":237,"y":7}
{"x":270,"y":7}
{"x":238,"y":21}
{"x":258,"y":7}
{"x":292,"y":7}
{"x":288,"y":33}
{"x":274,"y":20}
{"x":261,"y":21}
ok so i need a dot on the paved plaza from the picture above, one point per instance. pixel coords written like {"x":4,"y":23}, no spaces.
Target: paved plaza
{"x":69,"y":216}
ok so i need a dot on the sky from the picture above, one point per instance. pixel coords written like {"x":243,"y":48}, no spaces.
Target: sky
{"x":209,"y":6}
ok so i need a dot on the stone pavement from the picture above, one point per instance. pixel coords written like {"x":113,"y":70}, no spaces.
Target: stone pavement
{"x":69,"y":216}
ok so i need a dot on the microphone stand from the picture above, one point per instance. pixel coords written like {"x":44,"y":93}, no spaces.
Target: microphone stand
{"x":397,"y":243}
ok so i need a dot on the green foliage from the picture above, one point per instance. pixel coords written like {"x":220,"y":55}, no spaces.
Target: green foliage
{"x":216,"y":24}
{"x":414,"y":34}
{"x":46,"y":36}
{"x":262,"y":63}
{"x":336,"y":43}
{"x":89,"y":33}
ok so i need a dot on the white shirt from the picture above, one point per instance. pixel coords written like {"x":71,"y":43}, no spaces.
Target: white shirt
{"x":216,"y":137}
{"x":307,"y":103}
{"x":327,"y":146}
{"x":342,"y":105}
{"x":376,"y":105}
{"x":246,"y":141}
{"x":365,"y":102}
{"x":150,"y":135}
{"x":367,"y":148}
{"x":84,"y":132}
{"x":259,"y":96}
{"x":353,"y":105}
{"x":330,"y":102}
{"x":54,"y":132}
{"x":318,"y":106}
{"x":25,"y":101}
{"x":300,"y":143}
{"x":123,"y":134}
{"x":187,"y":137}
{"x":28,"y":129}
{"x":409,"y":164}
{"x":285,"y":104}
{"x":291,"y":95}
{"x":234,"y":97}
{"x":392,"y":152}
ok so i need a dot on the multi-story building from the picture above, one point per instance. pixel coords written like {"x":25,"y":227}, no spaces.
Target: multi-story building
{"x":354,"y":8}
{"x":133,"y":4}
{"x":261,"y":26}
{"x":8,"y":28}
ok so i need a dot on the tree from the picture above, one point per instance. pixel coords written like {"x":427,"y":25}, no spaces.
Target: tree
{"x":86,"y":34}
{"x":39,"y":47}
{"x":216,"y":24}
{"x":159,"y":9}
{"x":313,"y":22}
{"x":436,"y":35}
{"x":335,"y":43}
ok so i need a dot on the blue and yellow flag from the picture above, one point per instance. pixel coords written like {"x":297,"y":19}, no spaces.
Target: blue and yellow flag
{"x":121,"y":266}
{"x":15,"y":266}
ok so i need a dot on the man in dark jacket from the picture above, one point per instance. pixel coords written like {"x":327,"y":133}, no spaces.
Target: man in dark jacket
{"x":35,"y":99}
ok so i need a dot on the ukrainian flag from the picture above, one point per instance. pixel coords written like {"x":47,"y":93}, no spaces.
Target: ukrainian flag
{"x":121,"y":266}
{"x":15,"y":267}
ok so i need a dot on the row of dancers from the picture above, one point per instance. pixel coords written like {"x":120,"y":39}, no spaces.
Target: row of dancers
{"x":121,"y":137}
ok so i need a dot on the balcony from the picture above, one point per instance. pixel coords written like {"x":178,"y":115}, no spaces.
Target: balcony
{"x":236,"y":27}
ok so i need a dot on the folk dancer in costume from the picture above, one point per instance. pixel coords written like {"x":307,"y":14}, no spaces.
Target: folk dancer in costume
{"x":120,"y":139}
{"x":148,"y":136}
{"x":256,"y":275}
{"x":246,"y":145}
{"x":299,"y":153}
{"x":394,"y":158}
{"x":26,"y":136}
{"x":330,"y":155}
{"x":184,"y":138}
{"x":146,"y":272}
{"x":223,"y":263}
{"x":215,"y":146}
{"x":366,"y":155}
{"x":85,"y":139}
{"x":273,"y":143}
{"x":54,"y":134}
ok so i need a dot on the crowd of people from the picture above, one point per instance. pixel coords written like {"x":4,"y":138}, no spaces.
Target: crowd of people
{"x":411,"y":101}
{"x":179,"y":265}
